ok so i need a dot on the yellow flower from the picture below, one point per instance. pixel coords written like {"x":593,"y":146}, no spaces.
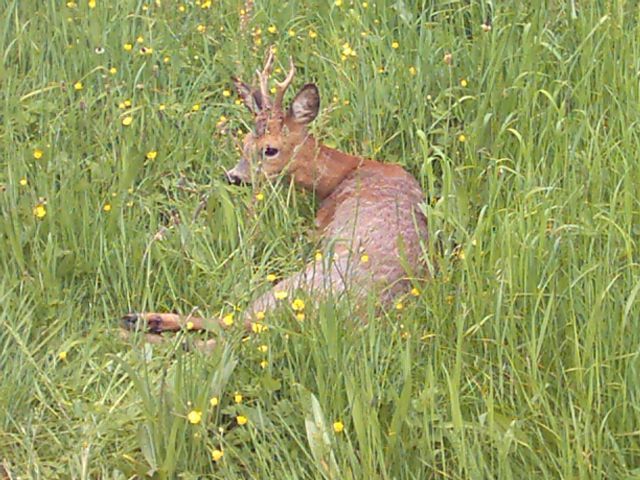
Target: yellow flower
{"x":128,"y":47}
{"x":228,"y":319}
{"x":127,"y":103}
{"x":146,"y":50}
{"x":415,"y":292}
{"x":347,"y":51}
{"x":463,"y":83}
{"x":237,"y":397}
{"x":78,"y":86}
{"x":338,"y":426}
{"x":190,"y":325}
{"x":107,"y":207}
{"x":395,"y":45}
{"x":23,"y":182}
{"x":298,"y":305}
{"x":281,"y":295}
{"x":194,"y":417}
{"x":272,"y":29}
{"x":318,"y":256}
{"x":412,"y":71}
{"x":264,"y":364}
{"x":365,"y":4}
{"x":72,"y":4}
{"x":161,"y":107}
{"x":312,"y":34}
{"x":291,"y":32}
{"x":242,"y":420}
{"x":300,"y":316}
{"x":140,"y":39}
{"x":399,"y":306}
{"x":226,"y":93}
{"x":201,"y":28}
{"x":113,"y":70}
{"x":40,"y":211}
{"x":258,"y":327}
{"x":205,"y":5}
{"x":338,"y":3}
{"x":462,"y":138}
{"x":126,"y":121}
{"x":166,"y":59}
{"x":182,"y":8}
{"x":62,"y":356}
{"x":271,"y":277}
{"x":152,"y":154}
{"x":217,"y":455}
{"x":364,"y":258}
{"x":214,"y":401}
{"x":260,"y":315}
{"x":37,"y":154}
{"x":259,"y":196}
{"x":263,"y":348}
{"x":92,"y":3}
{"x":195,"y":107}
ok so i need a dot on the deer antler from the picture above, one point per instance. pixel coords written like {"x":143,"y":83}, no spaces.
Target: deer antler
{"x":263,"y":78}
{"x":281,"y":87}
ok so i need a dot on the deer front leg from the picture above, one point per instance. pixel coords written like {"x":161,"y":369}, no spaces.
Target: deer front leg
{"x":163,"y":322}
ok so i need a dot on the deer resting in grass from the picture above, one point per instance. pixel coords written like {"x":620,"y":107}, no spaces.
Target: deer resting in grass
{"x":369,"y":217}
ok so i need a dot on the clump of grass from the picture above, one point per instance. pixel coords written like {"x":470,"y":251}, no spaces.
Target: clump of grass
{"x":519,"y":358}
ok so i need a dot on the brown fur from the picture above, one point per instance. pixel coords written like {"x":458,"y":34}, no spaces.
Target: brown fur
{"x":366,"y":207}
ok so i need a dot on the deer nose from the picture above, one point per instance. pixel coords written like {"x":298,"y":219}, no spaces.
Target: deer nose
{"x":232,"y":179}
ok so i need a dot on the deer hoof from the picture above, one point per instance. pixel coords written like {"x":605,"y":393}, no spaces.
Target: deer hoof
{"x":148,"y":323}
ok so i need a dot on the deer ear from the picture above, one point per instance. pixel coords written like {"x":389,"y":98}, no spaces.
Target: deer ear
{"x":306,"y":104}
{"x":252,"y":98}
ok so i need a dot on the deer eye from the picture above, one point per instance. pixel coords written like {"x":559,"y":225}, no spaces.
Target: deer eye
{"x":270,"y":152}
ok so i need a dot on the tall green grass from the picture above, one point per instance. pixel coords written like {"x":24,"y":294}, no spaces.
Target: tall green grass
{"x":518,"y":359}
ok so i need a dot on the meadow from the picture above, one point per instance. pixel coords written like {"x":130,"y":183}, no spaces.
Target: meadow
{"x":518,"y":359}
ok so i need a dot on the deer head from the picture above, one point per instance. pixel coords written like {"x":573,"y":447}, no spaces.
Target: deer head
{"x":270,"y":149}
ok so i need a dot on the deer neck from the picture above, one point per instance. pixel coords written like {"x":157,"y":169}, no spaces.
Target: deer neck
{"x":321,"y":168}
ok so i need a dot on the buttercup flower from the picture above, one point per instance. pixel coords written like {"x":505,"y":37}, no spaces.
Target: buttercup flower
{"x":194,"y":417}
{"x":338,"y":426}
{"x":242,"y":420}
{"x":40,"y":211}
{"x":217,"y":455}
{"x":37,"y":154}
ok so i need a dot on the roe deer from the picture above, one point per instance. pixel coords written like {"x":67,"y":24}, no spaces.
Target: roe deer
{"x":369,"y":217}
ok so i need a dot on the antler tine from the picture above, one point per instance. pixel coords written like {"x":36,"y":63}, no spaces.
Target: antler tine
{"x":263,"y":77}
{"x":281,"y":87}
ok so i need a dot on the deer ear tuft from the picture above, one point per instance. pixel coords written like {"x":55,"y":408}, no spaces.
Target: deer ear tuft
{"x":306,"y":104}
